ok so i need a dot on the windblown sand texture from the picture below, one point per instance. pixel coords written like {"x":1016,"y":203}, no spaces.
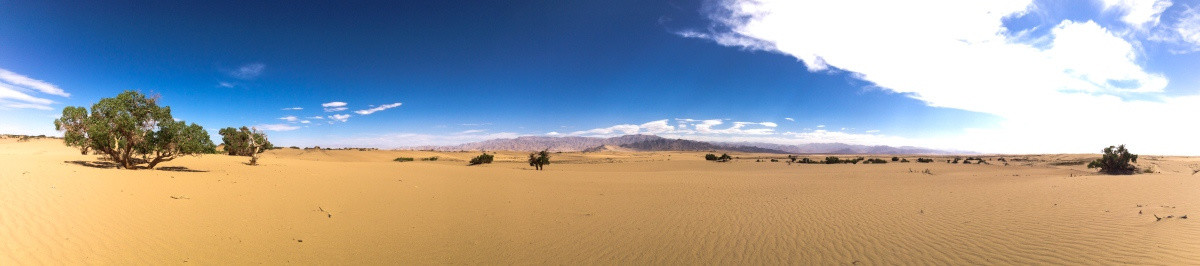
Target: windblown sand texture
{"x":610,"y":207}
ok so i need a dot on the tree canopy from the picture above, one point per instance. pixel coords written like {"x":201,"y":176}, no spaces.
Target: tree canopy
{"x":539,"y":159}
{"x":131,"y":130}
{"x":1115,"y":161}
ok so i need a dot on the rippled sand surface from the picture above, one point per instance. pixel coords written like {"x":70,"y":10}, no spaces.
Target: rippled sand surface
{"x":359,"y":207}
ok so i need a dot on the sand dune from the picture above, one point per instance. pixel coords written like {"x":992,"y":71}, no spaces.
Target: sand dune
{"x":612,"y":207}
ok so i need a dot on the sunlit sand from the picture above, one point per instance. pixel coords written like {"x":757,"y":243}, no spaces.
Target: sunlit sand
{"x":609,"y":207}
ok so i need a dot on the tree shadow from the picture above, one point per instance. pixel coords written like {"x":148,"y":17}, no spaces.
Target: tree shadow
{"x":95,"y":164}
{"x":179,"y":169}
{"x":112,"y":165}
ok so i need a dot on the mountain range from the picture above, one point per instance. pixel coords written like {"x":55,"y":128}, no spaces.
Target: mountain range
{"x":655,"y":143}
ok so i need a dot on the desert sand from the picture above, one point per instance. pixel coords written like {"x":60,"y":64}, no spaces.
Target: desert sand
{"x":611,"y":207}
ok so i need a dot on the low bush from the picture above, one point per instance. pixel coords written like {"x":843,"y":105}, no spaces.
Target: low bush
{"x":434,"y":158}
{"x":403,"y":159}
{"x":876,"y":160}
{"x":482,"y":159}
{"x":924,"y":160}
{"x":1115,"y":161}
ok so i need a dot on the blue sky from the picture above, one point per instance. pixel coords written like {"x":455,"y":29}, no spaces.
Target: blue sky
{"x":990,"y":76}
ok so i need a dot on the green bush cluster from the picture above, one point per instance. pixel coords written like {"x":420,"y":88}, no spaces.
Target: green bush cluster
{"x":403,"y":159}
{"x":482,"y":159}
{"x":1116,"y":161}
{"x":714,"y":157}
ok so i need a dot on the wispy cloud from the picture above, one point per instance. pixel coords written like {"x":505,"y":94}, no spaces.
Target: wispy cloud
{"x":377,"y":109}
{"x":334,"y":106}
{"x":293,"y":109}
{"x":472,"y":131}
{"x":27,"y":82}
{"x":276,"y":127}
{"x":225,"y":84}
{"x":475,"y":125}
{"x":315,"y":117}
{"x":789,"y":119}
{"x":248,"y":71}
{"x":15,"y":92}
{"x":340,"y":117}
{"x":703,"y":127}
{"x":290,"y":118}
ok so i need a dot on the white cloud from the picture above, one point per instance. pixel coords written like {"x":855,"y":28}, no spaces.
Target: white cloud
{"x":472,"y":131}
{"x":957,"y":54}
{"x":334,"y":106}
{"x":276,"y":127}
{"x":377,"y":109}
{"x":1182,"y":34}
{"x":293,"y":109}
{"x":248,"y":71}
{"x":16,"y":89}
{"x":820,"y":126}
{"x":305,"y":121}
{"x":290,"y":118}
{"x":27,"y":82}
{"x":399,"y":140}
{"x":1140,"y":14}
{"x":624,"y":129}
{"x":789,"y":119}
{"x":663,"y":127}
{"x":225,"y":84}
{"x":656,"y":127}
{"x":553,"y":133}
{"x":315,"y":117}
{"x":873,"y":131}
{"x":340,"y":117}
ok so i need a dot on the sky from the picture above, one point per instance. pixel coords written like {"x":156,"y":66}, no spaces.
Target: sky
{"x":1004,"y":76}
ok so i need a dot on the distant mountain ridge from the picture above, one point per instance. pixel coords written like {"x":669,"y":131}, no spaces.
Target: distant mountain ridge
{"x":655,"y":143}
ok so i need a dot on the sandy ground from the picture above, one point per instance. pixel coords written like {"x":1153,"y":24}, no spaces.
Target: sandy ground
{"x":359,"y":207}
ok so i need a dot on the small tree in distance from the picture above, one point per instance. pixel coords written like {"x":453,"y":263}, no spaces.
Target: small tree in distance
{"x":539,"y":159}
{"x":245,"y":142}
{"x":1115,"y":161}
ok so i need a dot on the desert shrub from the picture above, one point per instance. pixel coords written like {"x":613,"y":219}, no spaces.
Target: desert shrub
{"x":904,"y":160}
{"x":895,"y":159}
{"x":294,"y":148}
{"x":792,"y":158}
{"x":710,"y":157}
{"x":924,"y":160}
{"x":245,"y":142}
{"x":482,"y":159}
{"x":774,"y":160}
{"x":724,"y":158}
{"x":131,"y":130}
{"x":539,"y":159}
{"x":832,"y":160}
{"x":956,"y":159}
{"x":237,"y":141}
{"x":1115,"y":161}
{"x":433,"y":158}
{"x":403,"y":159}
{"x":875,"y":160}
{"x":807,"y":160}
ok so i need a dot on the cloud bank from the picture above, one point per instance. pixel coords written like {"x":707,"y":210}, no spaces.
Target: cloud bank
{"x":958,"y":54}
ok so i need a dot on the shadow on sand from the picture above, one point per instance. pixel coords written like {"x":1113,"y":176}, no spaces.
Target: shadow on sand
{"x":112,"y":165}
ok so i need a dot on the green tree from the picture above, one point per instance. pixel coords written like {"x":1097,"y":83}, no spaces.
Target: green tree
{"x":539,"y":159}
{"x":1115,"y":161}
{"x":237,"y":141}
{"x":131,"y":130}
{"x":245,"y":142}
